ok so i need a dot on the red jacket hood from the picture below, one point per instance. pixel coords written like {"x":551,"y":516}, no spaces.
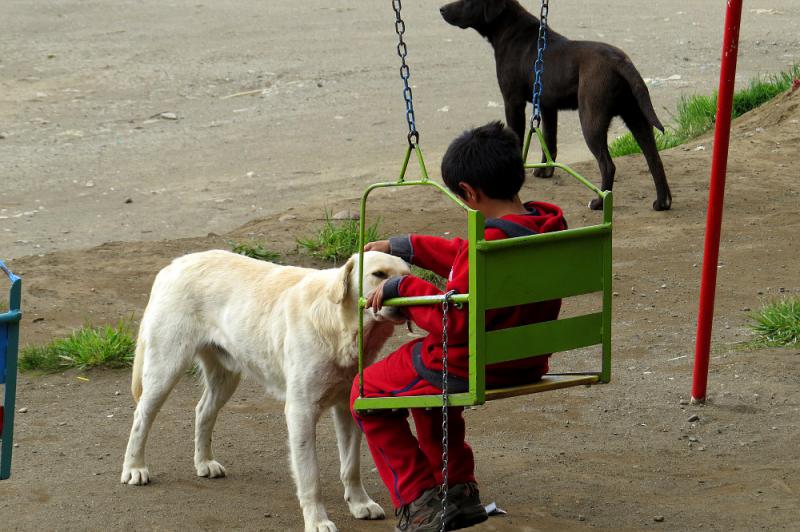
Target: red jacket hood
{"x":541,"y":218}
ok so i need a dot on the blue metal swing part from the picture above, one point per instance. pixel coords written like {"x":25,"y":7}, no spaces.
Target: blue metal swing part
{"x":9,"y":343}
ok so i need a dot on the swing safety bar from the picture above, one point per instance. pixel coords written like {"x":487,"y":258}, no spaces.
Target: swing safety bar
{"x":9,"y":343}
{"x":567,"y":263}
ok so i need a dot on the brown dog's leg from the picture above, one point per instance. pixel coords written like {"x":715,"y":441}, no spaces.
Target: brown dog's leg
{"x":550,"y":132}
{"x":643,"y":133}
{"x":594,"y":124}
{"x":515,"y":116}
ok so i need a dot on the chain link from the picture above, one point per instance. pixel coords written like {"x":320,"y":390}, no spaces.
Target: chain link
{"x":405,"y":73}
{"x":445,"y":407}
{"x":538,"y":66}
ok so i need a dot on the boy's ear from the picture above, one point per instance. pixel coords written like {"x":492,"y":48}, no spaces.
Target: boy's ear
{"x":470,"y":193}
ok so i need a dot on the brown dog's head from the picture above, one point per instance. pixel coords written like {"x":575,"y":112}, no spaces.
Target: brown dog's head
{"x":472,"y":13}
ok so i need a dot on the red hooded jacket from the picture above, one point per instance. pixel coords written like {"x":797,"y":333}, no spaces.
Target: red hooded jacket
{"x":448,"y":258}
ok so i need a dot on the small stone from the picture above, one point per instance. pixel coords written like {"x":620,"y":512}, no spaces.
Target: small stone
{"x":693,"y":418}
{"x":745,"y":309}
{"x":663,"y":286}
{"x":117,"y":393}
{"x":581,"y":518}
{"x":658,"y":519}
{"x":684,"y":401}
{"x":128,"y":200}
{"x":693,"y":439}
{"x":345,"y":215}
{"x":89,"y":184}
{"x":62,"y":423}
{"x":250,"y":174}
{"x":615,"y":294}
{"x":168,"y":116}
{"x":287,"y":217}
{"x":22,"y":410}
{"x":3,"y":135}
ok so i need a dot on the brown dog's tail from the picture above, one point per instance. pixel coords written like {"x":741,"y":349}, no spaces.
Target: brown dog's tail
{"x":136,"y":376}
{"x":640,"y":92}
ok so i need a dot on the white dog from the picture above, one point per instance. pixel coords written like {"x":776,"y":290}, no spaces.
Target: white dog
{"x":293,"y":329}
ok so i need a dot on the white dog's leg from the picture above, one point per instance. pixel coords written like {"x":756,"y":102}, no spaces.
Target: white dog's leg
{"x":302,"y":415}
{"x":348,"y":437}
{"x":220,"y":385}
{"x":158,"y":378}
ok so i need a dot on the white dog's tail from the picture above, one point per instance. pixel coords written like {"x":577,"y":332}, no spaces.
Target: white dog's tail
{"x":136,"y":376}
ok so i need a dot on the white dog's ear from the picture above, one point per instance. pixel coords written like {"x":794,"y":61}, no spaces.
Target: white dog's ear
{"x":341,"y":288}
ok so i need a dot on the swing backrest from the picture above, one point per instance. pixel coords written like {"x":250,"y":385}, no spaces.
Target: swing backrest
{"x":531,"y":269}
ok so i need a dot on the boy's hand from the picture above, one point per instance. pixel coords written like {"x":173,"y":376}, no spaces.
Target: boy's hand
{"x":379,"y":245}
{"x":375,"y":298}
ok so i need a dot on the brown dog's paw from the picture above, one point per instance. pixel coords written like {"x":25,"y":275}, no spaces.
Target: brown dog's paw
{"x":596,"y":204}
{"x":662,"y":205}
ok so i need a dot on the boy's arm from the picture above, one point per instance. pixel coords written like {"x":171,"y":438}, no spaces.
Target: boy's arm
{"x":430,"y":252}
{"x":429,"y":317}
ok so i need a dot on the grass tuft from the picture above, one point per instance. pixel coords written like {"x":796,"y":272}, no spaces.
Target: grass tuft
{"x":434,"y":279}
{"x":337,"y":240}
{"x":107,"y":346}
{"x":255,"y":251}
{"x":696,"y":114}
{"x":778,"y":323}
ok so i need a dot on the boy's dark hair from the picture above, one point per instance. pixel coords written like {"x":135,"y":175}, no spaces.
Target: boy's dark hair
{"x":488,"y":158}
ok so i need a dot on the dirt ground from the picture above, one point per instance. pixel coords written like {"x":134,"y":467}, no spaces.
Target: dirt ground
{"x":606,"y":458}
{"x":82,"y":85}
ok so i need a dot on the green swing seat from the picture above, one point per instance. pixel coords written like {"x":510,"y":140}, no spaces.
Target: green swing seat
{"x":9,"y":341}
{"x":516,"y":271}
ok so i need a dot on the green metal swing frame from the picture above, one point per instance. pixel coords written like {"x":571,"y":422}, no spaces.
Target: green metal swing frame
{"x":9,"y":343}
{"x":568,"y":263}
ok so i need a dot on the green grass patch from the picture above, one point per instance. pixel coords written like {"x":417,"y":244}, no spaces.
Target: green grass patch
{"x":255,"y":251}
{"x":107,"y":346}
{"x":695,"y":115}
{"x":338,"y":239}
{"x":434,"y":279}
{"x":778,"y":323}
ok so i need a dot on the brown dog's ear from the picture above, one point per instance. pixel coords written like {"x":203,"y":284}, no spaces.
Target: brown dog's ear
{"x":492,"y":9}
{"x":341,"y":288}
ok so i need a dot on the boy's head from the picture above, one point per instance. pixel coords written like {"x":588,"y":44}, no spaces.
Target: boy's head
{"x":486,"y":159}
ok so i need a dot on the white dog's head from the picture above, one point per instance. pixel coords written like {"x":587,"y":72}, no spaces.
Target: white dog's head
{"x":377,"y":268}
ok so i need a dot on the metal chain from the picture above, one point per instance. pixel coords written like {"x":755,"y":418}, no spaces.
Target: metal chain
{"x":405,"y":73}
{"x":445,"y":407}
{"x":538,"y":66}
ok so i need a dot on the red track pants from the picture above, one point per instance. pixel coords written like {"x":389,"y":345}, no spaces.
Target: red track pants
{"x":408,"y":465}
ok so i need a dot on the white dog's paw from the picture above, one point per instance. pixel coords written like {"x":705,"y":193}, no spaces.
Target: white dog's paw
{"x":210,"y":469}
{"x":366,"y":510}
{"x":135,"y":476}
{"x":324,"y":526}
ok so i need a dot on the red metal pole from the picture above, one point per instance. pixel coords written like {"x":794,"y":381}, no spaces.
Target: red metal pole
{"x":716,"y":194}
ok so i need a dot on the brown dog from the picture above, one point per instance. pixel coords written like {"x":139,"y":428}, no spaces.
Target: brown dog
{"x":595,"y":78}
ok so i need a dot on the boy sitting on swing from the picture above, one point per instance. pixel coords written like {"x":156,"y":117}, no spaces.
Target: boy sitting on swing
{"x":484,"y":168}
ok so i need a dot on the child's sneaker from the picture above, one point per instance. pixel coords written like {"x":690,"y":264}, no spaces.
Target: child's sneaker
{"x":422,"y":515}
{"x":464,"y":507}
